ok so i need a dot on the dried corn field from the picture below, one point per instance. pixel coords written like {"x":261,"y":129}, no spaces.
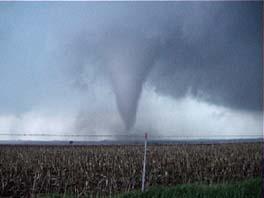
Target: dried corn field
{"x":80,"y":170}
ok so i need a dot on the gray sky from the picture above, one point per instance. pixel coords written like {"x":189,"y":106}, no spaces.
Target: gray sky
{"x":170,"y":68}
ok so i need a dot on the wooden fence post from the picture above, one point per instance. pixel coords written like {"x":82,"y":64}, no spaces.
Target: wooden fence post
{"x":144,"y":163}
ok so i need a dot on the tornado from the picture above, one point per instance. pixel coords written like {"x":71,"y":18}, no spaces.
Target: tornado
{"x":129,"y":58}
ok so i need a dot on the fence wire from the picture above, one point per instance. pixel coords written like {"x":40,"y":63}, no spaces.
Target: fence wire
{"x":127,"y":136}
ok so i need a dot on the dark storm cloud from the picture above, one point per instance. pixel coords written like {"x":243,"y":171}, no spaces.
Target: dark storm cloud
{"x":218,"y":55}
{"x":212,"y":50}
{"x":174,"y":63}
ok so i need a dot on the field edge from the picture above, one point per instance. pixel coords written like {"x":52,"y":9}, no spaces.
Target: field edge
{"x":250,"y":188}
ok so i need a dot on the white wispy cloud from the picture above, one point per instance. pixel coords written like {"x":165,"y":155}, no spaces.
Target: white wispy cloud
{"x":157,"y":114}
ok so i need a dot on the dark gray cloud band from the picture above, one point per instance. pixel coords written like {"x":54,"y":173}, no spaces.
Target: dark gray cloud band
{"x":221,"y":58}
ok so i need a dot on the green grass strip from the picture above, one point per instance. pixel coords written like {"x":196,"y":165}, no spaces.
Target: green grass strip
{"x":251,"y":188}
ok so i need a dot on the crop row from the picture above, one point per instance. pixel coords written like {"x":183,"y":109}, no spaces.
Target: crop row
{"x":80,"y":170}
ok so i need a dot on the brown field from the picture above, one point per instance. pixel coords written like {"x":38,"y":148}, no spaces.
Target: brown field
{"x":29,"y":170}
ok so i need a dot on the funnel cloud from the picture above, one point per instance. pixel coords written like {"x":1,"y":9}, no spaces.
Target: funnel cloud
{"x":129,"y":59}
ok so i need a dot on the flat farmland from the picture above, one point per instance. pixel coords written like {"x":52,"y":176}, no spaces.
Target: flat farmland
{"x":107,"y":169}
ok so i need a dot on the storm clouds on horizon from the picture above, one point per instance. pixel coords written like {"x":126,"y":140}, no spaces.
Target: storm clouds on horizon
{"x":170,"y":68}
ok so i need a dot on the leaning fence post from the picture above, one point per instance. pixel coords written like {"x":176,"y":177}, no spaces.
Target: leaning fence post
{"x":144,"y":163}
